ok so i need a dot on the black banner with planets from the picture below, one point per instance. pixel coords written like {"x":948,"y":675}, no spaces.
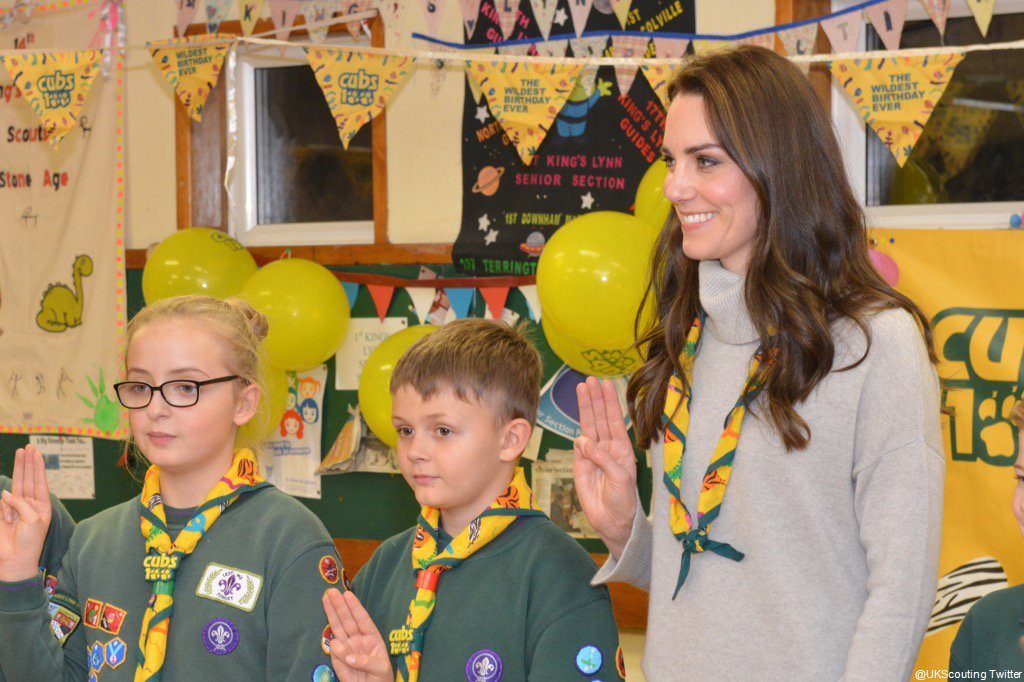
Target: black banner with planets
{"x":592,"y":159}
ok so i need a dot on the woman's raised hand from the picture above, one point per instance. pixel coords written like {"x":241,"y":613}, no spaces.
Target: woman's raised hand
{"x":358,"y":652}
{"x":604,"y":466}
{"x":25,"y":514}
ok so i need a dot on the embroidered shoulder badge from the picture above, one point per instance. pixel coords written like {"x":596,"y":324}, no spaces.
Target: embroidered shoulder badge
{"x":230,"y":586}
{"x":64,"y":617}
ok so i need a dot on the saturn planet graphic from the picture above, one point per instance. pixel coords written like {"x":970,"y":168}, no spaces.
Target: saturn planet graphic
{"x":487,"y":181}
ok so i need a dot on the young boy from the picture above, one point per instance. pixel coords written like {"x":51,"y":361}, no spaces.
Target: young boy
{"x":484,"y":587}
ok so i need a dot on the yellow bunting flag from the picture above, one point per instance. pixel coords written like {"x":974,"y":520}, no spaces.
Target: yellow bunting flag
{"x":896,"y":96}
{"x":55,"y":84}
{"x":249,"y":12}
{"x":701,"y":47}
{"x":357,"y":85}
{"x":658,"y":76}
{"x":525,"y":98}
{"x":982,"y":10}
{"x":191,"y":65}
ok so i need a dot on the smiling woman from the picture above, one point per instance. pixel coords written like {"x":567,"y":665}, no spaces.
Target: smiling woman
{"x":770,"y":314}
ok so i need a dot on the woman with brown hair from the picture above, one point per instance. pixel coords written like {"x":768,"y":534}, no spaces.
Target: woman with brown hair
{"x":821,"y":562}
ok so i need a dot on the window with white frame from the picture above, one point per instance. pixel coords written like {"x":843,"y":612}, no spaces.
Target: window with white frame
{"x":966,"y":169}
{"x":290,"y":181}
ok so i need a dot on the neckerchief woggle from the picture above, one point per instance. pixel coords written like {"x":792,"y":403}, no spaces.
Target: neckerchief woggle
{"x":676,"y":420}
{"x":429,"y":560}
{"x":164,"y":556}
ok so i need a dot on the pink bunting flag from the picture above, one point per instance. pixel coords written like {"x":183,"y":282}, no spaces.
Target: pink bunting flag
{"x":433,"y":9}
{"x":186,"y":10}
{"x":671,"y":48}
{"x":552,"y":48}
{"x":354,"y":7}
{"x":765,"y":40}
{"x":580,"y":10}
{"x":508,"y":10}
{"x":470,"y":13}
{"x":842,"y":31}
{"x":888,"y":19}
{"x":799,"y":40}
{"x":495,"y":297}
{"x":283,"y":13}
{"x":544,"y":14}
{"x":628,"y":47}
{"x":938,"y":10}
{"x":381,"y":294}
{"x":216,"y":12}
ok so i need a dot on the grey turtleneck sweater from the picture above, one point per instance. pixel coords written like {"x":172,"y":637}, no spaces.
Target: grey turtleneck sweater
{"x":841,"y":538}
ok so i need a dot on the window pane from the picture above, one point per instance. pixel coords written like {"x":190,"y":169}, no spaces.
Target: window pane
{"x":303,"y":174}
{"x":971,"y":146}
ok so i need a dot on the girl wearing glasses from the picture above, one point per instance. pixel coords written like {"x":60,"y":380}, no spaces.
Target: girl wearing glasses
{"x":211,"y":573}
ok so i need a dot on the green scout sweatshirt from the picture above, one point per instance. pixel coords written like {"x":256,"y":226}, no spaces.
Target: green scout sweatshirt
{"x":57,"y":539}
{"x":520,"y":608}
{"x":989,"y":637}
{"x":246,"y":601}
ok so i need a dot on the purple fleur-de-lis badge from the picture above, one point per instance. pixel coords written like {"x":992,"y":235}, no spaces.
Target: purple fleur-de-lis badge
{"x":229,"y":585}
{"x":220,"y":636}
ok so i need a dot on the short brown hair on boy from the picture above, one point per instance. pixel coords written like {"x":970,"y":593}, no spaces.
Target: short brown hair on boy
{"x":482,"y":360}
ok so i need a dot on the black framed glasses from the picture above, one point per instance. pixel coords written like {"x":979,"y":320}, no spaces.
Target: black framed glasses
{"x":177,"y":393}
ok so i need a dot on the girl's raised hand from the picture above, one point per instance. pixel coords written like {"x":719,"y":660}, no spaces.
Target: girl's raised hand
{"x":604,"y":467}
{"x":358,"y":652}
{"x":25,"y":514}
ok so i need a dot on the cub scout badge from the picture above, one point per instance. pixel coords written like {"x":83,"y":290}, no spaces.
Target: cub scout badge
{"x":220,"y":636}
{"x":111,"y":619}
{"x":230,"y":586}
{"x":329,"y":569}
{"x":93,"y":612}
{"x":116,"y":652}
{"x":325,"y":640}
{"x":64,"y":617}
{"x":323,"y":673}
{"x":49,"y":583}
{"x":589,"y":659}
{"x":96,"y":657}
{"x":620,"y":663}
{"x":483,"y":666}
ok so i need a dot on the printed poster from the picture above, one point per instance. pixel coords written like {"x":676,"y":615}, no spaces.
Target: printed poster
{"x":556,"y":494}
{"x":70,"y":470}
{"x":294,"y":448}
{"x":362,"y":337}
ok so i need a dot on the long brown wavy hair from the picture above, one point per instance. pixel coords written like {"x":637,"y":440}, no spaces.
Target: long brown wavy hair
{"x":809,"y":266}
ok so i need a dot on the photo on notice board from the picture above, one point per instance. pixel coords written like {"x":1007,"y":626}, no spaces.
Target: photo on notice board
{"x":556,"y":494}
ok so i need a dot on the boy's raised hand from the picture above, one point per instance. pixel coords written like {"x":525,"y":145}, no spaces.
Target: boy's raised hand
{"x":604,"y":467}
{"x":25,"y":514}
{"x":358,"y":652}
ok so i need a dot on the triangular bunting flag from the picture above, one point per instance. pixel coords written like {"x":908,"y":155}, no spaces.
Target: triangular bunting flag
{"x":283,"y":13}
{"x":960,"y":135}
{"x":357,"y":85}
{"x":938,"y":10}
{"x":888,"y":19}
{"x":249,"y":12}
{"x":671,"y":48}
{"x":433,"y":9}
{"x":507,"y":12}
{"x":495,"y":298}
{"x":186,"y":11}
{"x":799,"y":40}
{"x":982,"y":11}
{"x":391,"y":13}
{"x":351,"y":292}
{"x":629,"y":47}
{"x":461,"y":300}
{"x":580,"y":10}
{"x":517,"y":50}
{"x":191,"y":67}
{"x":896,"y":95}
{"x":216,"y":12}
{"x":422,"y":298}
{"x":657,"y":76}
{"x":381,"y":294}
{"x":765,"y":40}
{"x":474,"y":88}
{"x":591,"y":46}
{"x":529,"y":292}
{"x":621,"y":9}
{"x":470,"y":13}
{"x":354,"y":7}
{"x":543,"y":14}
{"x":56,"y":85}
{"x":842,"y":31}
{"x":709,"y":46}
{"x":316,"y":11}
{"x":525,"y":98}
{"x":552,"y":48}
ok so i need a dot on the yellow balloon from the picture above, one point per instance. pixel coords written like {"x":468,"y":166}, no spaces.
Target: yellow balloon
{"x":199,"y":260}
{"x":592,"y":275}
{"x":599,"y":362}
{"x":268,"y":414}
{"x":307,"y":310}
{"x":374,"y":382}
{"x":650,"y":205}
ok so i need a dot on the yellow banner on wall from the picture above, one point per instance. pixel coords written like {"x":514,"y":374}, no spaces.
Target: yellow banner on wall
{"x":55,"y":85}
{"x":357,"y":85}
{"x":192,"y":66}
{"x":525,"y":98}
{"x":896,"y":95}
{"x":968,"y":284}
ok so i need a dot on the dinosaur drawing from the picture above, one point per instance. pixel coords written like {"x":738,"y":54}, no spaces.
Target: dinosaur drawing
{"x":61,"y":308}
